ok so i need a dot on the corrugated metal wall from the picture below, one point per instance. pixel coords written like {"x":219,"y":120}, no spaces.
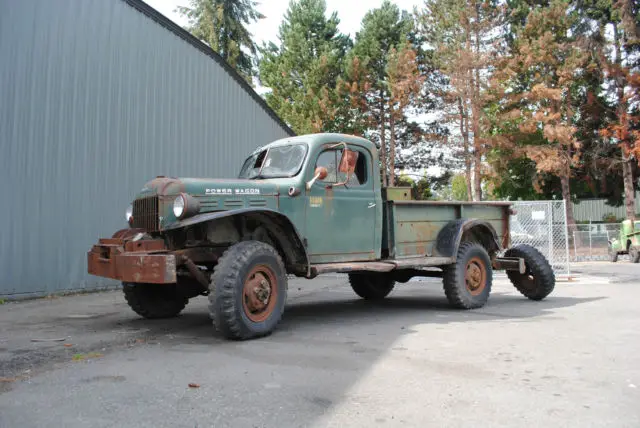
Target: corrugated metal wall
{"x":96,"y":98}
{"x":595,"y":209}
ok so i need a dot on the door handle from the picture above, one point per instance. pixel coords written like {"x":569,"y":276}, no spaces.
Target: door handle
{"x":371,"y":205}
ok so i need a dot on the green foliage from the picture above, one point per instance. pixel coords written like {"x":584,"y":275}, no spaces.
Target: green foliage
{"x":610,"y":218}
{"x":459,"y":188}
{"x":421,"y":188}
{"x":2,"y":301}
{"x":303,"y":71}
{"x":222,"y":24}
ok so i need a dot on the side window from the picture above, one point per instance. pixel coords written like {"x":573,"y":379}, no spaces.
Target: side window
{"x":330,"y":159}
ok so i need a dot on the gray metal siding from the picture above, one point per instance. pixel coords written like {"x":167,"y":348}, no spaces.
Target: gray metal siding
{"x":595,"y":209}
{"x":96,"y":98}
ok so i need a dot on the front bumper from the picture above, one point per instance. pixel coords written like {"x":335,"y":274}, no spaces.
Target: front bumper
{"x":145,"y":261}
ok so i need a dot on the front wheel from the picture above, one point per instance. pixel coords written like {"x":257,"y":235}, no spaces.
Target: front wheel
{"x":467,"y":283}
{"x":248,"y":291}
{"x":538,"y":281}
{"x":634,"y":254}
{"x":613,"y":254}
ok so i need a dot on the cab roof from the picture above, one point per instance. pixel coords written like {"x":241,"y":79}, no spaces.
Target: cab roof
{"x":322,"y":138}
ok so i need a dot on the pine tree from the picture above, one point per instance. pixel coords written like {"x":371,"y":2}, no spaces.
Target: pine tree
{"x":404,"y":83}
{"x":303,"y":72}
{"x":465,"y":36}
{"x":622,"y":70}
{"x":382,"y":30}
{"x":537,"y":82}
{"x":222,"y":24}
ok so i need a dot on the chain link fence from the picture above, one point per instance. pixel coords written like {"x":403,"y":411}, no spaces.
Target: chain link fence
{"x":543,"y":225}
{"x":591,"y":241}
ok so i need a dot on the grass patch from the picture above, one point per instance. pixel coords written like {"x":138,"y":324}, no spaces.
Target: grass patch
{"x":2,"y":301}
{"x":81,"y":357}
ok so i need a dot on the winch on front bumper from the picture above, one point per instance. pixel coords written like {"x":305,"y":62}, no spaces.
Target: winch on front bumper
{"x":144,"y":261}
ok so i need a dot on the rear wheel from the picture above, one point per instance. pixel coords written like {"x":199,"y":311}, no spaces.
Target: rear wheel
{"x":634,"y":254}
{"x":613,"y":255}
{"x":371,"y":286}
{"x":538,"y":281}
{"x":154,"y":301}
{"x":467,"y":283}
{"x":248,"y":291}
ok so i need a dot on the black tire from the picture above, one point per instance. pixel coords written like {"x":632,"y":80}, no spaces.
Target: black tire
{"x":539,"y":280}
{"x":467,"y":283}
{"x":231,"y":299}
{"x":154,"y":301}
{"x":634,"y":254}
{"x":371,"y":286}
{"x":613,"y":255}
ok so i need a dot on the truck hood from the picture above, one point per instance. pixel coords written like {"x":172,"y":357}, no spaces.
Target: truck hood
{"x":166,"y":186}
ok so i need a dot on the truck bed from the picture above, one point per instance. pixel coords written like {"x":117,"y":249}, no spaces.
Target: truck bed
{"x":412,"y":227}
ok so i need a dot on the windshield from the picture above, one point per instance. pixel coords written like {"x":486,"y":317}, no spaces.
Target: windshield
{"x":274,"y":162}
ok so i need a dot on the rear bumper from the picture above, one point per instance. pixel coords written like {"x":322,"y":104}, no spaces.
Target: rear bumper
{"x":145,"y":261}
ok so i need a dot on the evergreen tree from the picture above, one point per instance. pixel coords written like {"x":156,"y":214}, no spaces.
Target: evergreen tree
{"x":222,"y":24}
{"x":465,"y":37}
{"x":382,"y":30}
{"x":303,"y":72}
{"x":548,"y":59}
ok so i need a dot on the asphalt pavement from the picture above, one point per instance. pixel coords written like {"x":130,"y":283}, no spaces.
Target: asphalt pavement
{"x":335,"y":360}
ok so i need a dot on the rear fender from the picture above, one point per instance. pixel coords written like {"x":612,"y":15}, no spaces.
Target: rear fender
{"x":279,"y":227}
{"x":451,"y":236}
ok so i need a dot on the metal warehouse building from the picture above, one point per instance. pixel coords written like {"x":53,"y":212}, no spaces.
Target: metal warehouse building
{"x":96,"y":98}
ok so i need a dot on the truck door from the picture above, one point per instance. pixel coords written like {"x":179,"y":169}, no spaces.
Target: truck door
{"x":341,"y":219}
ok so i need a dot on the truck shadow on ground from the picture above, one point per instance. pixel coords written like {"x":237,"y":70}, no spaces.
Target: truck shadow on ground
{"x":340,"y":314}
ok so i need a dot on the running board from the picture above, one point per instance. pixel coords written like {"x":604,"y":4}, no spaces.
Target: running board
{"x":381,"y":266}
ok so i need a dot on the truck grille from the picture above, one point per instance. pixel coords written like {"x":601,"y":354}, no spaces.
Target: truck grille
{"x":145,"y":214}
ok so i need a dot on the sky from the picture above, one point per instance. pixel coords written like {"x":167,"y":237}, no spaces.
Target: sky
{"x":350,"y":13}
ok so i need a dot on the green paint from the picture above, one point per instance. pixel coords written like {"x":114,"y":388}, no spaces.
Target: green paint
{"x":338,"y":222}
{"x":628,"y":236}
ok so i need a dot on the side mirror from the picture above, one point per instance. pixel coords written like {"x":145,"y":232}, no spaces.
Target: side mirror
{"x":320,"y":173}
{"x":347,"y":165}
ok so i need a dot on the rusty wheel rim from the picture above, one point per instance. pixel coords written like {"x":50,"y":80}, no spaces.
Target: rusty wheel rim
{"x":475,"y":277}
{"x":259,"y":293}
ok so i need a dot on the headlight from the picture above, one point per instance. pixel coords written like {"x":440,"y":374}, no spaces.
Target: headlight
{"x":129,"y":213}
{"x":185,"y":206}
{"x":178,"y":206}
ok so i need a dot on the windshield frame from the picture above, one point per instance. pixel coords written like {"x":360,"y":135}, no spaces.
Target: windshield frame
{"x":267,"y":150}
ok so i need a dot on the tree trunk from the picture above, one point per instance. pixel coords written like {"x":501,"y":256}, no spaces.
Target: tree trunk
{"x":627,"y":171}
{"x":464,"y":132}
{"x":392,"y":148}
{"x":477,"y":153}
{"x":629,"y":191}
{"x":383,"y":142}
{"x":476,"y":108}
{"x":566,"y":195}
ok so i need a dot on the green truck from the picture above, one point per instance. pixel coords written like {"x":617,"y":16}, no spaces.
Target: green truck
{"x":627,"y":242}
{"x":304,"y":206}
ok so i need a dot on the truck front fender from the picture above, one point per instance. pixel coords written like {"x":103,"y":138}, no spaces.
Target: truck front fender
{"x":279,"y":227}
{"x":457,"y":231}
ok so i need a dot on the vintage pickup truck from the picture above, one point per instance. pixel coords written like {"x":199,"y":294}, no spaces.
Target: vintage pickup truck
{"x":304,"y":206}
